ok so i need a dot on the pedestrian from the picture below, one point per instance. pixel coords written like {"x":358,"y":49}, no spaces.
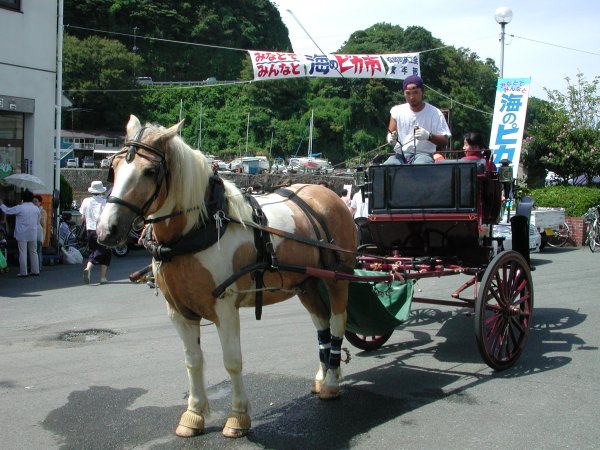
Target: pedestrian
{"x":91,"y":208}
{"x":359,"y":207}
{"x":416,"y":128}
{"x":37,"y":201}
{"x":345,"y":196}
{"x":27,"y":220}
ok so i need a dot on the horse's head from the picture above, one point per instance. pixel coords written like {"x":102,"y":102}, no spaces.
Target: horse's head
{"x":140,"y":177}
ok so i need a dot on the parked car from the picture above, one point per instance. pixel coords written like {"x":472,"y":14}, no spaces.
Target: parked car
{"x":503,"y":229}
{"x":105,"y":163}
{"x":72,"y":163}
{"x":88,"y":162}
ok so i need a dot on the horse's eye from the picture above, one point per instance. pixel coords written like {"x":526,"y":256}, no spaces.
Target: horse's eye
{"x":150,"y":172}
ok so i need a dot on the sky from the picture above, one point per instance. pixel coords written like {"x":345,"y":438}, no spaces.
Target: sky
{"x":546,"y":40}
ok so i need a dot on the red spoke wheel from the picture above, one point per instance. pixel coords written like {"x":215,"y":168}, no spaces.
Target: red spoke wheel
{"x":367,"y":343}
{"x":503,"y":310}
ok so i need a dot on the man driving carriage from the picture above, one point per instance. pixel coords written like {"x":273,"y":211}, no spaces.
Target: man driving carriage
{"x":416,"y":128}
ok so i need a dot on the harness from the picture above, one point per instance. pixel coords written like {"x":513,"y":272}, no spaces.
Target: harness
{"x":200,"y":238}
{"x":162,"y":174}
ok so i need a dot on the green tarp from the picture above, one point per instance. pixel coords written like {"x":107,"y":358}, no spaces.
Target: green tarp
{"x":375,"y":308}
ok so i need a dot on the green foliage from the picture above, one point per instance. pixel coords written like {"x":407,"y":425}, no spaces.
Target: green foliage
{"x":66,"y":194}
{"x":91,"y":67}
{"x":229,"y":26}
{"x":564,"y":135}
{"x":575,"y":199}
{"x":351,"y":115}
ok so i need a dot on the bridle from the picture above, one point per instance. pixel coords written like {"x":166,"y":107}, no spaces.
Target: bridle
{"x":131,"y":150}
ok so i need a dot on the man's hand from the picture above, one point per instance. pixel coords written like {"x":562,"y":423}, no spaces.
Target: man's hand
{"x":422,"y":134}
{"x":392,"y":138}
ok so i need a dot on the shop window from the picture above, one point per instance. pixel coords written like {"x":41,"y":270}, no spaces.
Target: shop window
{"x":11,"y":4}
{"x":11,"y":144}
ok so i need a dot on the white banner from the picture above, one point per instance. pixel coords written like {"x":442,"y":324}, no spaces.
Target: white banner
{"x":510,"y":109}
{"x":274,"y":65}
{"x":279,"y":65}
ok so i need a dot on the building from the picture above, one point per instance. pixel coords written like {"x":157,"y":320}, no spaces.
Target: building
{"x":28,"y":66}
{"x":81,"y":145}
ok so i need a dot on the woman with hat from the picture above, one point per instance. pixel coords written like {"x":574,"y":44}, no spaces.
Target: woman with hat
{"x":91,"y":208}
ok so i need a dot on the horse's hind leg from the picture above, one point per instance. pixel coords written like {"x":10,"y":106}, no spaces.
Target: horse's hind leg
{"x":331,"y":326}
{"x":192,"y":420}
{"x":238,"y":421}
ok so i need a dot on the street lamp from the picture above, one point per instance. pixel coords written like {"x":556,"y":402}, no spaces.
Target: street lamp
{"x":503,"y":15}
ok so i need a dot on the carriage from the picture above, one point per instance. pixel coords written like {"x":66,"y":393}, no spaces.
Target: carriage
{"x":436,"y":220}
{"x":215,"y":250}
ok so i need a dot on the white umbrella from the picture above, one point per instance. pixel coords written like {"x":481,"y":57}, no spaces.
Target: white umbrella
{"x":25,"y":181}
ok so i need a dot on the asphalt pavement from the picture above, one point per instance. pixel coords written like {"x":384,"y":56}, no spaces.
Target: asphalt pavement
{"x":101,"y":367}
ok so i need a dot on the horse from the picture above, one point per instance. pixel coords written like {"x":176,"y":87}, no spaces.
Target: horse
{"x":216,"y":249}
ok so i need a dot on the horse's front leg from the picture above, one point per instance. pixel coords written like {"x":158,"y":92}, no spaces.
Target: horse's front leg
{"x":238,"y":421}
{"x":192,"y":420}
{"x":330,"y":327}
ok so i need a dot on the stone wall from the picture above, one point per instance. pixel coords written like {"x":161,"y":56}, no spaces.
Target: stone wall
{"x":80,"y":180}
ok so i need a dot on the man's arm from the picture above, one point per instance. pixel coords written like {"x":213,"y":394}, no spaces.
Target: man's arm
{"x":439,"y":140}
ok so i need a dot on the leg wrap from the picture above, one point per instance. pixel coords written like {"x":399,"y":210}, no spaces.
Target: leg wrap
{"x":324,"y":337}
{"x":335,"y":353}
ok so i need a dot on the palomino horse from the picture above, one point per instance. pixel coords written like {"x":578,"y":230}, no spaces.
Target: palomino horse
{"x":212,"y":270}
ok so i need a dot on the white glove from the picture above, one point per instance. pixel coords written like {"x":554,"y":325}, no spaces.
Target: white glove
{"x":422,"y":134}
{"x":392,"y":138}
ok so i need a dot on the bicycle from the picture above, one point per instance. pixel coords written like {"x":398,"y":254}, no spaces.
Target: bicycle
{"x":560,"y":237}
{"x":592,"y":219}
{"x":74,"y":235}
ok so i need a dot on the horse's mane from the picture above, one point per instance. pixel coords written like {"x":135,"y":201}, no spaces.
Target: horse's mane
{"x":189,"y":179}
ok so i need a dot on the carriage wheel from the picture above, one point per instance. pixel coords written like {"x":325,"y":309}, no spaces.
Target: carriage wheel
{"x":367,"y":343}
{"x":503,"y":310}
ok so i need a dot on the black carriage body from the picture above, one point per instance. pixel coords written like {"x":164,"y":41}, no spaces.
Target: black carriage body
{"x":434,"y":209}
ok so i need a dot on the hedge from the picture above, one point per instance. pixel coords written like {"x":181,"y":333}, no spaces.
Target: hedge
{"x":575,"y":199}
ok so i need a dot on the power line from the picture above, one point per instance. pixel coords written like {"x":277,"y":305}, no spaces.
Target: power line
{"x":555,"y":45}
{"x":172,"y":41}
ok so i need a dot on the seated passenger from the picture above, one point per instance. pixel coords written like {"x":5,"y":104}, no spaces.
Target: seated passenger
{"x":476,"y":150}
{"x":416,"y":127}
{"x":473,"y":146}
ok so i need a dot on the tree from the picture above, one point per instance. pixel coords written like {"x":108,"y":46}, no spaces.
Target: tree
{"x":92,"y":67}
{"x":566,"y":137}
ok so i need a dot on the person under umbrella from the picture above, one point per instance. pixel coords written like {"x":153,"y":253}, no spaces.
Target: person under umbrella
{"x":26,"y":232}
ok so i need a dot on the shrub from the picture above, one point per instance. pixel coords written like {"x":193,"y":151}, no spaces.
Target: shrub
{"x":66,"y":194}
{"x":575,"y":199}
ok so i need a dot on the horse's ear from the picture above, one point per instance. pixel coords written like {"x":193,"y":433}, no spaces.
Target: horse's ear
{"x":133,"y":125}
{"x":174,"y":130}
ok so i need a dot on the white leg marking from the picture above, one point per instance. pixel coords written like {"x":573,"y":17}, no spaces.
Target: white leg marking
{"x":229,"y":334}
{"x":189,"y":332}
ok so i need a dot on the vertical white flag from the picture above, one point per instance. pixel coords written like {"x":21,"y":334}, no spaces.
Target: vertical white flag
{"x":510,"y":109}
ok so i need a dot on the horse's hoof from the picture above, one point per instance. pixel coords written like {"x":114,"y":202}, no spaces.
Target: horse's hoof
{"x":329,"y":392}
{"x":316,"y":386}
{"x":237,"y":425}
{"x":190,"y":425}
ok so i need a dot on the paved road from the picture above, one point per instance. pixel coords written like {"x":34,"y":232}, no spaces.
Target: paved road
{"x":123,"y":384}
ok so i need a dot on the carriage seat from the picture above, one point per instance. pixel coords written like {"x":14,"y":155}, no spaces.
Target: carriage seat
{"x":427,"y":209}
{"x":481,"y":163}
{"x":442,"y":187}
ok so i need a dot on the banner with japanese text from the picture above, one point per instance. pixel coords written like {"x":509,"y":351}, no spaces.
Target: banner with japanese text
{"x":280,"y":65}
{"x":508,"y":123}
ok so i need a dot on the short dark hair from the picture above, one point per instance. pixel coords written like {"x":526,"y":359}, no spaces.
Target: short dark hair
{"x":474,"y":138}
{"x":38,"y":197}
{"x":27,"y":196}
